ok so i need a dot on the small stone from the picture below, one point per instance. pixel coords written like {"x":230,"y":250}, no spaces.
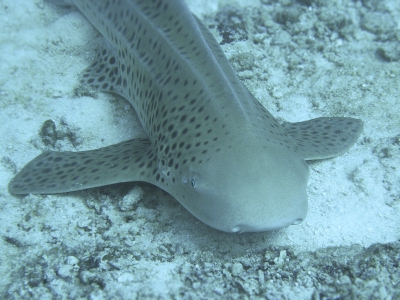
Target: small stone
{"x":389,"y":51}
{"x":279,"y":261}
{"x":48,"y":133}
{"x":196,"y":285}
{"x":72,"y":260}
{"x":261,"y":277}
{"x":131,"y":199}
{"x":237,"y":269}
{"x":377,"y":23}
{"x":65,"y":271}
{"x":281,"y":38}
{"x":219,"y":291}
{"x":345,"y":280}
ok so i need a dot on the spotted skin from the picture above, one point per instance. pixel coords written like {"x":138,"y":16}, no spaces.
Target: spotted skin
{"x":210,"y":143}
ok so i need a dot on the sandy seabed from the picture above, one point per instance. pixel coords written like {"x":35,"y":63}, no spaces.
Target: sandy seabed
{"x":301,"y":59}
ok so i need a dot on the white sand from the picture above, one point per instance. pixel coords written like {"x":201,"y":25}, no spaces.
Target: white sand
{"x":353,"y":199}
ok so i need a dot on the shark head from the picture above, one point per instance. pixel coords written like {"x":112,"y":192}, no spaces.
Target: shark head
{"x":247,"y":190}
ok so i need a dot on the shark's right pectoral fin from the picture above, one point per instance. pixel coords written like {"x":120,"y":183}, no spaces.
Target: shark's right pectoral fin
{"x":58,"y":172}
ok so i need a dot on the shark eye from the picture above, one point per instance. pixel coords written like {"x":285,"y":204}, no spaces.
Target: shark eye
{"x":193,"y":182}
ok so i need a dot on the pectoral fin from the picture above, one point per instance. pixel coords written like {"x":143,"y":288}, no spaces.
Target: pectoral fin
{"x":59,"y":172}
{"x":324,"y":137}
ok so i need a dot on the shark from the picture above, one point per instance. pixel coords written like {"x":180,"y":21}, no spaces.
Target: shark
{"x":210,"y":143}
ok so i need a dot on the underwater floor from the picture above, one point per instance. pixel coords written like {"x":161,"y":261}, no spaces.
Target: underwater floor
{"x":301,"y":59}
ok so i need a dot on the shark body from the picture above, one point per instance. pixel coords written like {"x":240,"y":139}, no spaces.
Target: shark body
{"x":210,"y":143}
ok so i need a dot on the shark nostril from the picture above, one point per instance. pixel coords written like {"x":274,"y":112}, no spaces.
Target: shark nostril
{"x":297,"y":221}
{"x":236,"y":229}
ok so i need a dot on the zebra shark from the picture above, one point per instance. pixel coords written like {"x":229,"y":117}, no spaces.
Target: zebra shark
{"x":210,"y":143}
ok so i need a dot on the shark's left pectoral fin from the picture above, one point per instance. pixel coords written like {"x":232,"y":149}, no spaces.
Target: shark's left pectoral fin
{"x":58,"y":172}
{"x":324,"y":137}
